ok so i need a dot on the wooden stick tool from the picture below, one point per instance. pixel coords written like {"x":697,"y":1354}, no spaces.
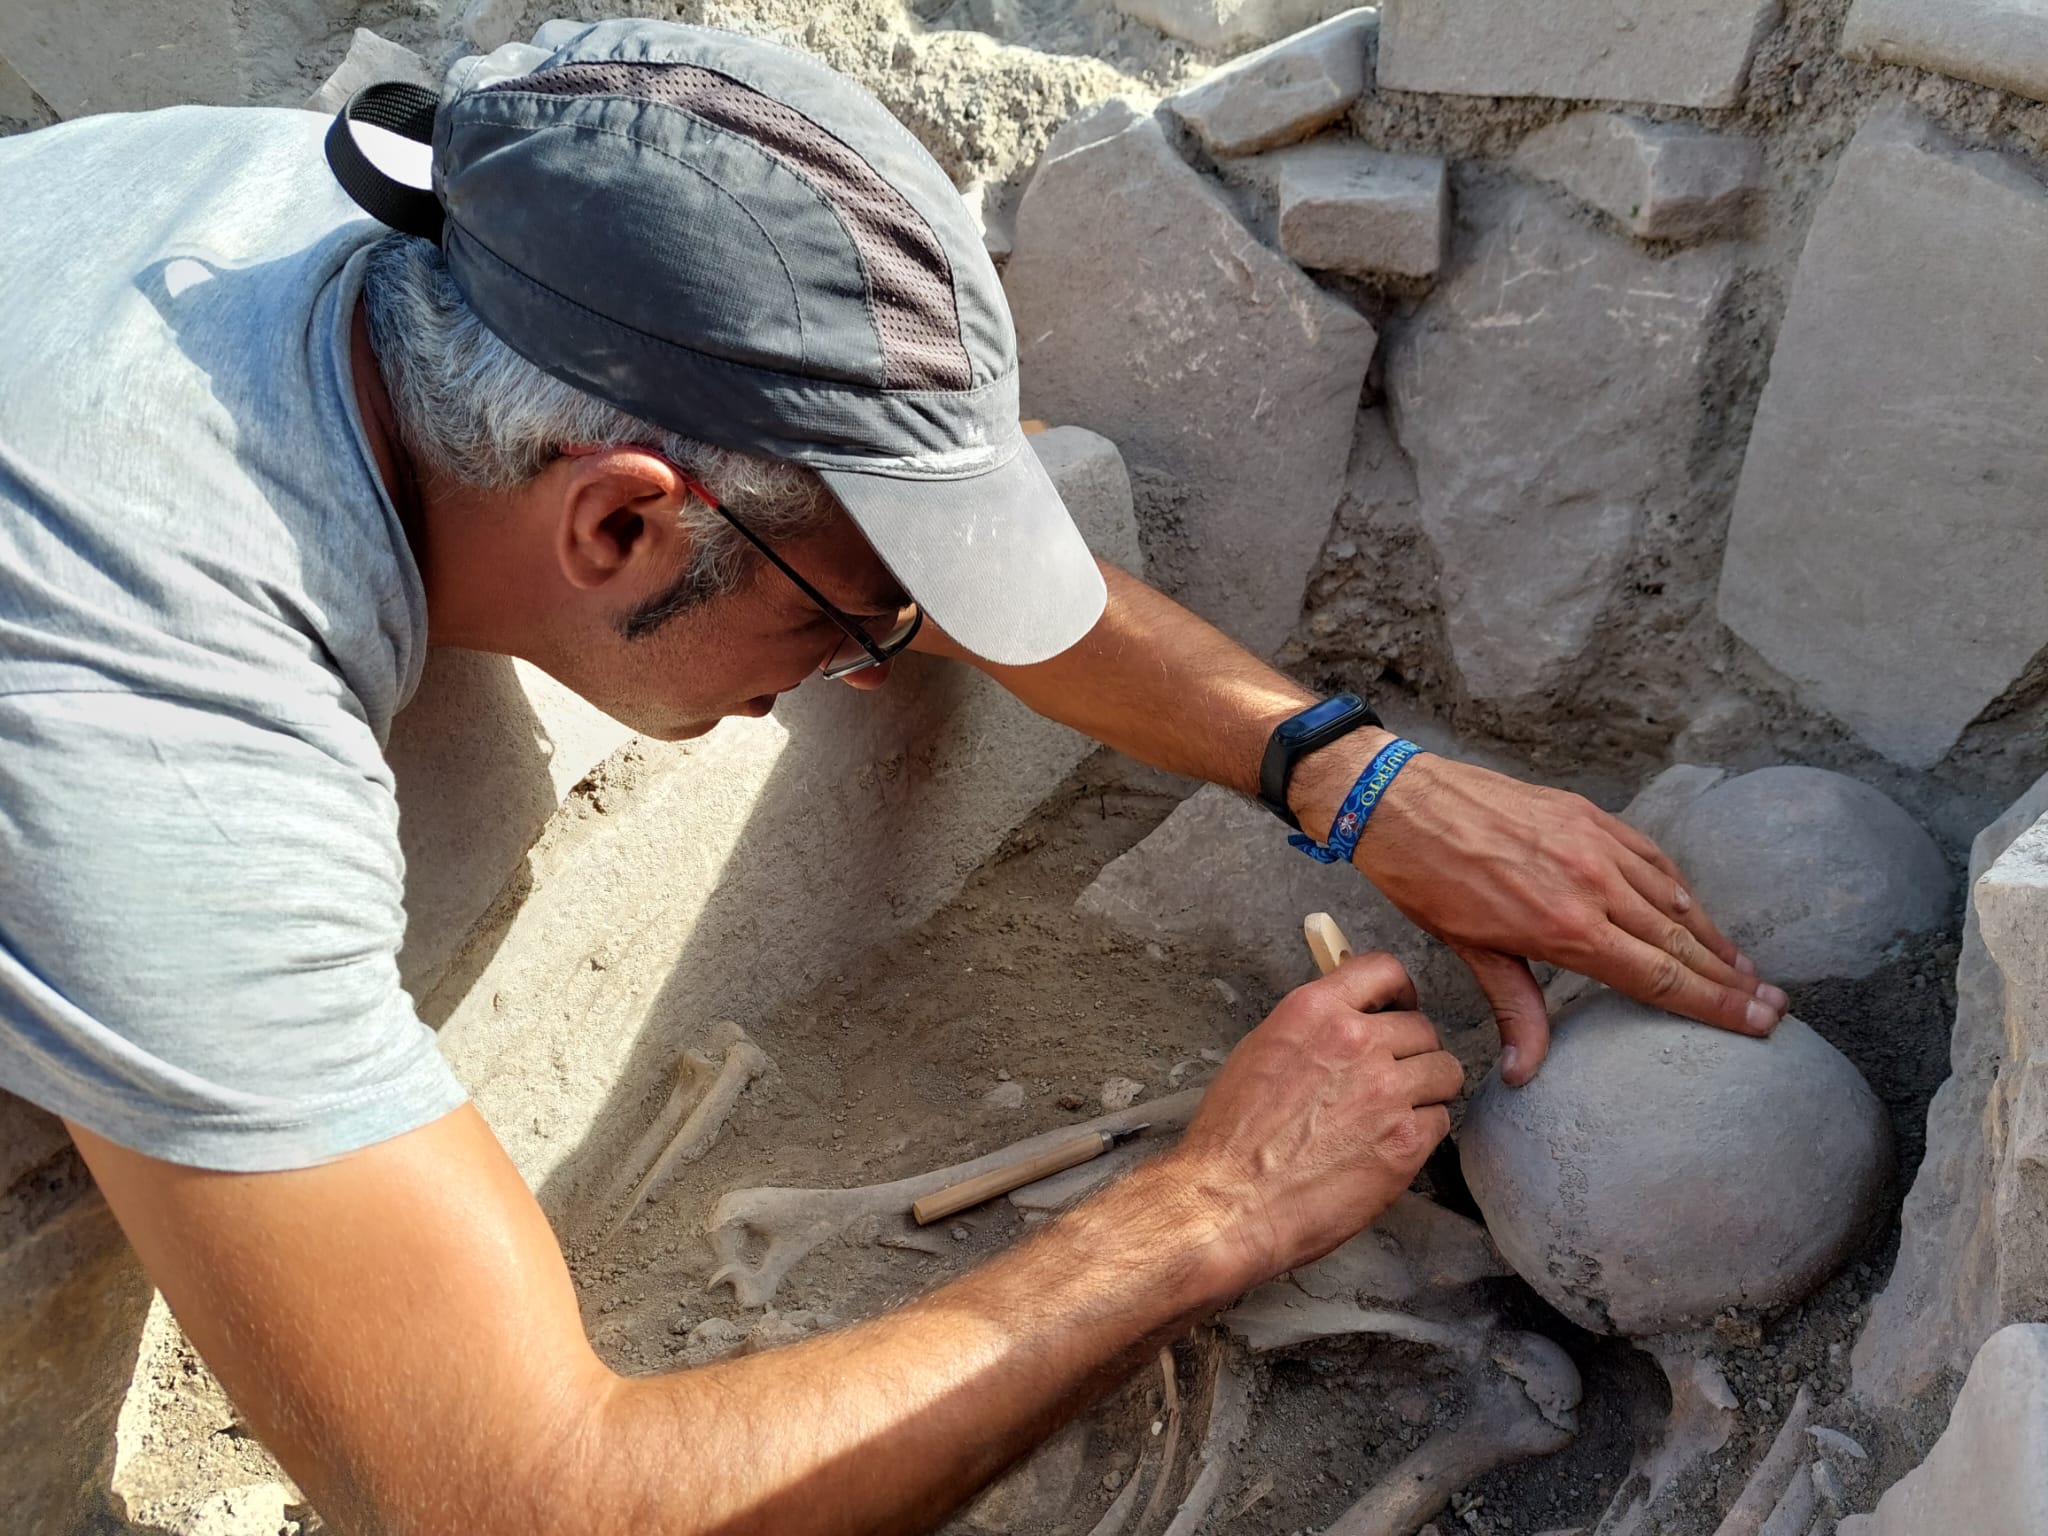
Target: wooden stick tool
{"x":1326,"y":941}
{"x":1071,"y":1153}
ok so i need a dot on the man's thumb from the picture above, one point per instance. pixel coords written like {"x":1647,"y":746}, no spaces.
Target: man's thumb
{"x":1517,"y":1004}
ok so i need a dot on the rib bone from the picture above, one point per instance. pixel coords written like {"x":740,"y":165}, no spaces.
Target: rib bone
{"x":744,"y":1061}
{"x":759,"y":1235}
{"x":1229,"y":1416}
{"x":1746,"y":1516}
{"x":1523,"y":1408}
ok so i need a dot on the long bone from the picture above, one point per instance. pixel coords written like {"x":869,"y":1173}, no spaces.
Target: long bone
{"x":1781,"y":1463}
{"x":1229,"y":1418}
{"x":744,"y":1061}
{"x":1526,"y":1407}
{"x":759,"y":1235}
{"x":1702,"y":1418}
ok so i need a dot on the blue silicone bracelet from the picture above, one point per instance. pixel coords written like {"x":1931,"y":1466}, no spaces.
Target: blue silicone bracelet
{"x":1357,"y":808}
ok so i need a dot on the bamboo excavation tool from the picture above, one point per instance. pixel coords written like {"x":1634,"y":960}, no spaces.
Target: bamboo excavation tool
{"x":1071,"y":1153}
{"x":1326,"y":941}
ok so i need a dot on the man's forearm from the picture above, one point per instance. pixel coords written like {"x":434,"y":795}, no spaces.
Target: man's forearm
{"x":887,"y":1426}
{"x":1160,"y":684}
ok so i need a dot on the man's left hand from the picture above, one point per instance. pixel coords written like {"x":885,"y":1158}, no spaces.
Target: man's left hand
{"x":1506,"y":872}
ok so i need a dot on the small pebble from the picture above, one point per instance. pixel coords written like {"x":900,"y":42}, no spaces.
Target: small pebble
{"x":1224,"y":990}
{"x":1121,"y":1093}
{"x":960,"y":1234}
{"x":1835,"y":1443}
{"x":1112,"y":1480}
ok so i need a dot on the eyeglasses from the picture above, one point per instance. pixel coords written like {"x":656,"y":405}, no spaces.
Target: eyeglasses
{"x":868,"y":642}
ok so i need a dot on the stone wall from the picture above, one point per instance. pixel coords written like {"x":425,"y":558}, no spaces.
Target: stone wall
{"x":1697,"y":426}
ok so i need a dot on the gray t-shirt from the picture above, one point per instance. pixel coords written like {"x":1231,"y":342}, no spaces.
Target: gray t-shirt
{"x":209,"y":615}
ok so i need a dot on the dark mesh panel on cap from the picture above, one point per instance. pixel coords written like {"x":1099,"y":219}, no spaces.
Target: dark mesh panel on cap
{"x":909,"y":279}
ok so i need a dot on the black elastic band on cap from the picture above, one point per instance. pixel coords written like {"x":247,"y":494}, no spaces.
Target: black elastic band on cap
{"x":404,"y":109}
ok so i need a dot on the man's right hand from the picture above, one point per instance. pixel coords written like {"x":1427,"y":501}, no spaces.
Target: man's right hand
{"x":1322,"y":1116}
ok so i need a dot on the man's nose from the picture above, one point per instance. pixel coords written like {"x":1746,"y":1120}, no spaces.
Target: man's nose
{"x":868,"y":677}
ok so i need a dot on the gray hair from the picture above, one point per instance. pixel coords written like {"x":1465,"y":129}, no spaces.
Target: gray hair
{"x":482,"y":415}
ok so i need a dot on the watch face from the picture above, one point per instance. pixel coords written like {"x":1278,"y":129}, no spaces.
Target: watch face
{"x":1326,"y":713}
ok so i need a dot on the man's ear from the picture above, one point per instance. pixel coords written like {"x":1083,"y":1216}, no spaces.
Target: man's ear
{"x":616,"y":513}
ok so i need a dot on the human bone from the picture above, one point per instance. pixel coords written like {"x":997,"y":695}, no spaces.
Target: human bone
{"x":1702,"y":1419}
{"x":759,"y":1235}
{"x":702,"y":1101}
{"x":1525,"y":1405}
{"x":1767,"y":1483}
{"x":1658,"y":1171}
{"x":1812,"y":873}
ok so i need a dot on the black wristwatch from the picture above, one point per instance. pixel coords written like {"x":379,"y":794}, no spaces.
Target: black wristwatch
{"x":1297,"y":736}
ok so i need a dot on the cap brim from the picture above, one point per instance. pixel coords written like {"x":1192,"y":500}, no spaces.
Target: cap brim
{"x":995,"y":560}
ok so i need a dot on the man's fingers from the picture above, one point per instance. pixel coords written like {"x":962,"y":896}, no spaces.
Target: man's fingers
{"x":1653,"y":874}
{"x":1372,"y":983}
{"x":1406,"y":1034}
{"x":1517,"y":1004}
{"x":1649,"y":920}
{"x":1656,"y":976}
{"x":1436,"y":1077}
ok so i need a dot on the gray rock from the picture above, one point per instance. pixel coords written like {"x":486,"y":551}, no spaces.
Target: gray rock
{"x":1660,"y":181}
{"x":1225,"y":26}
{"x":1811,"y":872}
{"x":1942,"y":1301}
{"x":1993,"y":42}
{"x":125,"y":55}
{"x":1093,"y":483}
{"x":1346,"y":208}
{"x":491,"y":24}
{"x":18,"y":101}
{"x":1989,"y":1470}
{"x":1282,"y":92}
{"x":1534,"y":522}
{"x":2012,"y":905}
{"x":1659,"y":1171}
{"x":1886,"y":548}
{"x":370,"y":59}
{"x":1832,"y":1442}
{"x":1684,"y":53}
{"x":1218,"y":872}
{"x":1133,"y":282}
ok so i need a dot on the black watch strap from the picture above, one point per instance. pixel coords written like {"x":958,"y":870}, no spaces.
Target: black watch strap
{"x":1297,"y":736}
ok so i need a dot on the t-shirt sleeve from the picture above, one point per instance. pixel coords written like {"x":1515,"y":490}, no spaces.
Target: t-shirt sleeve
{"x":200,"y":916}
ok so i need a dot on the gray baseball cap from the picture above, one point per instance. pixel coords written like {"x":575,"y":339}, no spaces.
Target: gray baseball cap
{"x":732,"y":241}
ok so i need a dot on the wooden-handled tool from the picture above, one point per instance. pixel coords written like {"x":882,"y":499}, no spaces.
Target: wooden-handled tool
{"x":1071,"y":1153}
{"x":1326,"y":941}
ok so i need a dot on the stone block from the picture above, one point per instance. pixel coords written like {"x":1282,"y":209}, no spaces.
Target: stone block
{"x":2001,"y":43}
{"x":1225,"y":26}
{"x":19,"y":104}
{"x":1218,"y":874}
{"x":483,"y":754}
{"x":124,"y":55}
{"x":1659,"y":181}
{"x":370,"y":59}
{"x":1282,"y":92}
{"x":1941,"y":1302}
{"x":2012,"y":909}
{"x":1534,"y":515}
{"x":1775,"y":1151}
{"x":1345,"y":208}
{"x":715,"y":878}
{"x":1989,"y":1470}
{"x":1228,"y":380}
{"x":1887,"y":543}
{"x":1682,"y":53}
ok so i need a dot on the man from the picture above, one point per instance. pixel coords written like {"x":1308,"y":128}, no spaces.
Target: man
{"x":692,"y":381}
